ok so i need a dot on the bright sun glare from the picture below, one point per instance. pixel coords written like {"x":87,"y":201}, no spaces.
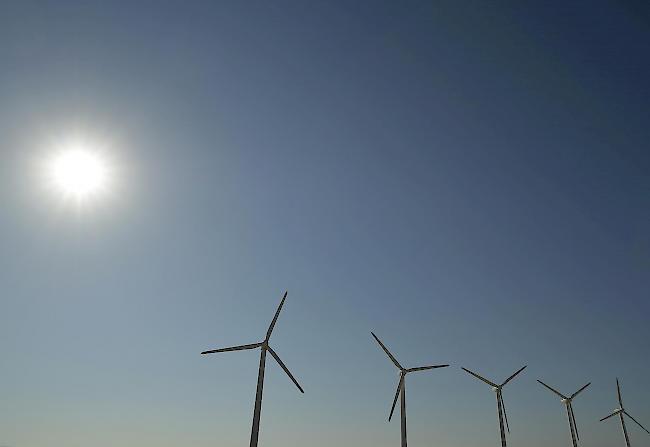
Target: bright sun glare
{"x":79,"y":173}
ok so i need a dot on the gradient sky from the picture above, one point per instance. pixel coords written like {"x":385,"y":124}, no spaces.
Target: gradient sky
{"x":470,"y":180}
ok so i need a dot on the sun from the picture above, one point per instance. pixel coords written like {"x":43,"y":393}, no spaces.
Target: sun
{"x":79,"y":173}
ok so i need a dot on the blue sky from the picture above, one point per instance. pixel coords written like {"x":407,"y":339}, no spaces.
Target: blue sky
{"x":469,"y":181}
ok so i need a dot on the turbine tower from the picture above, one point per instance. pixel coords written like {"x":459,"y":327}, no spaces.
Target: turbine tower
{"x":401,"y":386}
{"x":501,"y":406}
{"x":264,"y":347}
{"x":568,"y":402}
{"x":620,"y":412}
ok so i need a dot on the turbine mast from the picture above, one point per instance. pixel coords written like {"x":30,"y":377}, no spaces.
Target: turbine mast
{"x":500,"y":410}
{"x":571,"y":427}
{"x":257,"y":411}
{"x":627,"y":438}
{"x":403,"y":411}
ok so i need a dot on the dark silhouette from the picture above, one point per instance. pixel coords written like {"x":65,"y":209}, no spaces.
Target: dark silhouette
{"x":620,"y":412}
{"x":401,"y":386}
{"x":501,"y":406}
{"x":568,"y":402}
{"x":264,"y":345}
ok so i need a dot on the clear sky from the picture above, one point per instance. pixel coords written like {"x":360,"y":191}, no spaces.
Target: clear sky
{"x":470,"y":180}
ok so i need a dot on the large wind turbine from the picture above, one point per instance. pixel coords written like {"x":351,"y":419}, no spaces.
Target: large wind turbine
{"x":501,"y":406}
{"x":401,"y":386}
{"x":568,"y":402}
{"x":620,"y":412}
{"x":264,"y":345}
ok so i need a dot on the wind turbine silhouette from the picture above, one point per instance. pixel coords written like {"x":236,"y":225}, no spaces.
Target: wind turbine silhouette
{"x":401,"y":386}
{"x":620,"y":412}
{"x":264,"y":345}
{"x":501,"y":406}
{"x":568,"y":401}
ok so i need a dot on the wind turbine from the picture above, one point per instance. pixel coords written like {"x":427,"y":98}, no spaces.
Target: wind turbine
{"x":264,"y":345}
{"x":568,"y":402}
{"x":401,"y":386}
{"x":501,"y":406}
{"x":620,"y":412}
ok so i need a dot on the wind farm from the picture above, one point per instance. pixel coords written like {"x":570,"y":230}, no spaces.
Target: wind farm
{"x":438,"y":183}
{"x":400,"y":392}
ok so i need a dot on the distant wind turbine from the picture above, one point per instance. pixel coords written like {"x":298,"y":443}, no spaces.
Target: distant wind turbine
{"x":620,"y":412}
{"x":501,"y":406}
{"x":264,"y":345}
{"x":401,"y":386}
{"x":568,"y":402}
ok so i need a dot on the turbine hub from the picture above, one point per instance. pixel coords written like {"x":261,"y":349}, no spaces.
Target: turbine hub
{"x":495,"y":389}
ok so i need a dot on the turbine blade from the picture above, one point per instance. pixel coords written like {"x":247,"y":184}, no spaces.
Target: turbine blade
{"x":399,"y":389}
{"x":513,"y":376}
{"x":505,"y":415}
{"x":479,"y":377}
{"x":422,"y":368}
{"x":637,"y":422}
{"x":573,"y":418}
{"x":286,"y":370}
{"x":275,"y":318}
{"x":618,"y":390}
{"x":393,"y":359}
{"x":607,"y":417}
{"x":580,"y":390}
{"x":562,"y":396}
{"x":233,"y":348}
